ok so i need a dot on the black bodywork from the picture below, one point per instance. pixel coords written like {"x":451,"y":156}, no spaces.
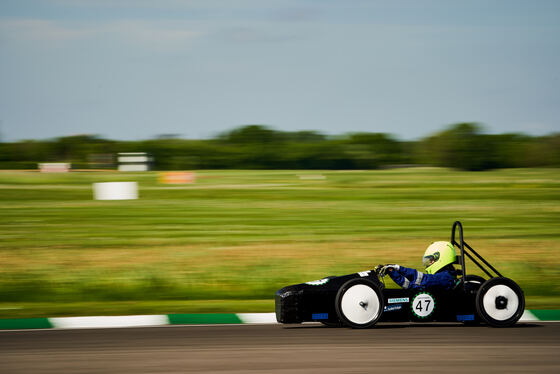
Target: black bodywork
{"x":317,"y":301}
{"x":305,"y":302}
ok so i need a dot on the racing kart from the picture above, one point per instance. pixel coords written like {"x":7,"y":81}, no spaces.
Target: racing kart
{"x":360,"y":300}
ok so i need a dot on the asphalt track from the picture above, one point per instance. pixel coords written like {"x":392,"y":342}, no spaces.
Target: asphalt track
{"x":527,"y":347}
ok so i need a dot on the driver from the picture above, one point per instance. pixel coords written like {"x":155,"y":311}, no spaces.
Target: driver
{"x":438,"y":261}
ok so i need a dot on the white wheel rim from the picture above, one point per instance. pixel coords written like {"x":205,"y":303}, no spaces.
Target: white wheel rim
{"x":360,"y":304}
{"x":489,"y":302}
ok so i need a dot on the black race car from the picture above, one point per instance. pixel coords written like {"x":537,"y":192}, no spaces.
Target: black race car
{"x":360,"y":300}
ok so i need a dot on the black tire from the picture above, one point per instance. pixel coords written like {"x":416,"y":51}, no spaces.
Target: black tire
{"x":474,"y":279}
{"x":473,"y":282}
{"x":359,"y":303}
{"x":500,"y":302}
{"x":332,"y":323}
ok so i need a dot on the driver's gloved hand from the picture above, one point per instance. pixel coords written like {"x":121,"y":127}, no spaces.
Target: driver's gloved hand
{"x":391,"y":267}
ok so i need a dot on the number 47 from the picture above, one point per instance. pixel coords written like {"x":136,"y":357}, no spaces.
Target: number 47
{"x":419,"y":305}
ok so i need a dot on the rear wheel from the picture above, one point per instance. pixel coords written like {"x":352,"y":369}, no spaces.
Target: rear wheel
{"x":500,"y":302}
{"x":472,"y":283}
{"x":359,"y":303}
{"x":332,"y":323}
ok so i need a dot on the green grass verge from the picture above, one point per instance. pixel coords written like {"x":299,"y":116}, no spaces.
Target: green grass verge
{"x":50,"y":309}
{"x":237,"y":236}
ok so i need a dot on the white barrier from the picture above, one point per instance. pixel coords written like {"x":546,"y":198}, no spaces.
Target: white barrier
{"x":54,"y":167}
{"x":115,"y":191}
{"x":134,"y":161}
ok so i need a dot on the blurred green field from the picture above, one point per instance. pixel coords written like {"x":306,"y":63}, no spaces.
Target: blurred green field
{"x":227,"y":242}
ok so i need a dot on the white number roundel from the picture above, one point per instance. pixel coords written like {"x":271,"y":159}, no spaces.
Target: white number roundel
{"x":423,"y":305}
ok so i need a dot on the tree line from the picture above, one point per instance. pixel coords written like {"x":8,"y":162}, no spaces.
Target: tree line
{"x":461,"y":146}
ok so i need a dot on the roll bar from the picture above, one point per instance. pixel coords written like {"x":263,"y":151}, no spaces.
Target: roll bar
{"x":465,"y":249}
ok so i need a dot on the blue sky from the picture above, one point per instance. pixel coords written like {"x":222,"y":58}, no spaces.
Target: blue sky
{"x":125,"y":69}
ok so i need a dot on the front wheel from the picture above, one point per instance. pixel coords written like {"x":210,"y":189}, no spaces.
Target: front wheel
{"x":332,"y":324}
{"x":500,"y":302}
{"x":359,"y":303}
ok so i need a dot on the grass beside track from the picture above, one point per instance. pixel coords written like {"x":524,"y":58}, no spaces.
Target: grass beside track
{"x":228,"y":241}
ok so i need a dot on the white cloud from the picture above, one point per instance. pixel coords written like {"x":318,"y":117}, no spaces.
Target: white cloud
{"x":40,"y":30}
{"x":169,"y":4}
{"x":148,"y":33}
{"x":126,"y":3}
{"x":161,"y":33}
{"x":239,"y":34}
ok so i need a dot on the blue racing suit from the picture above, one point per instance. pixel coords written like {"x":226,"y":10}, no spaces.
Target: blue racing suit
{"x":412,"y":278}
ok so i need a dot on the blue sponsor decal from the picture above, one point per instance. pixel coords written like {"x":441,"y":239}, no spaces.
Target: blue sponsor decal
{"x":390,"y":308}
{"x":398,"y":300}
{"x":465,"y":317}
{"x":317,"y":316}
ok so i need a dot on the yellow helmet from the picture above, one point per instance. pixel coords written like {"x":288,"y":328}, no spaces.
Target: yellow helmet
{"x":437,"y":256}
